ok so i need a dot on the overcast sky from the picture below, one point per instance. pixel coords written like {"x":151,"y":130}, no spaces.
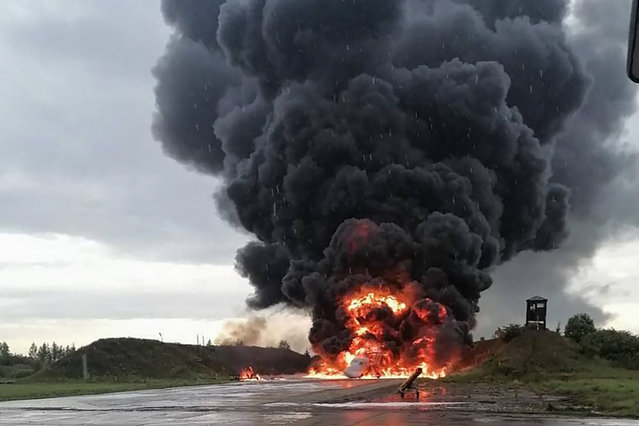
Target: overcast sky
{"x":100,"y":233}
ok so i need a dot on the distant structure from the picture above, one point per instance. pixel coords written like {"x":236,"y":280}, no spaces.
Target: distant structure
{"x":536,"y":308}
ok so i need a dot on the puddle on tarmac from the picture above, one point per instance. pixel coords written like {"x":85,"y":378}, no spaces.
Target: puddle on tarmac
{"x":285,"y":418}
{"x":369,"y":405}
{"x":390,"y":405}
{"x":437,"y":394}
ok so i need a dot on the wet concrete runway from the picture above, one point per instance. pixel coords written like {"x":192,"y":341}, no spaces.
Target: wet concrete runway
{"x":294,"y":402}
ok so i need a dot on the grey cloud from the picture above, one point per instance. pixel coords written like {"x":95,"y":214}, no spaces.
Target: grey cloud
{"x":90,"y":303}
{"x":78,"y":157}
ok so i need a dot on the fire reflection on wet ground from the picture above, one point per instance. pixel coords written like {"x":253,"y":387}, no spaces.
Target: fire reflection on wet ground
{"x":276,"y":402}
{"x":418,"y":394}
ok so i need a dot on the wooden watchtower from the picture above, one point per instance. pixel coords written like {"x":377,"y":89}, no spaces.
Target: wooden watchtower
{"x":536,"y":308}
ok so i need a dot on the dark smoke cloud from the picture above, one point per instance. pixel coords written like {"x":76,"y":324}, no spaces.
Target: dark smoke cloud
{"x":536,"y":11}
{"x":196,"y":19}
{"x":368,"y":141}
{"x":589,"y":158}
{"x":187,"y":107}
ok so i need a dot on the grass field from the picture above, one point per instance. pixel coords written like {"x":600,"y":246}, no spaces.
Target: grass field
{"x":550,"y":364}
{"x":15,"y":391}
{"x":613,"y":392}
{"x":611,"y":396}
{"x":126,"y":364}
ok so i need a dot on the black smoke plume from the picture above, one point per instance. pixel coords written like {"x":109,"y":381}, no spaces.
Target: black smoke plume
{"x":591,"y":159}
{"x":379,"y":142}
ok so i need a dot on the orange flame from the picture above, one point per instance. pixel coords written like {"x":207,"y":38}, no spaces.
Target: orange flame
{"x":249,"y":374}
{"x":367,"y":313}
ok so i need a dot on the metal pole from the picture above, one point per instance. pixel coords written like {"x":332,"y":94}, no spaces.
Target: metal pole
{"x":85,"y":367}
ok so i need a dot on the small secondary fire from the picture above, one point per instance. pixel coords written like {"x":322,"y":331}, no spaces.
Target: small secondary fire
{"x":249,"y":374}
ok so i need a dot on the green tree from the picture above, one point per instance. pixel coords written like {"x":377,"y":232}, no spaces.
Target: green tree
{"x":55,"y":352}
{"x":5,"y":354}
{"x":579,"y":326}
{"x":68,"y":350}
{"x":284,"y":345}
{"x":44,"y":353}
{"x":509,"y":332}
{"x":620,"y":347}
{"x":33,"y":351}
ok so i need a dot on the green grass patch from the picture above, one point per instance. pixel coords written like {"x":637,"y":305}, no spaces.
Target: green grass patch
{"x":617,"y":396}
{"x":609,"y":391}
{"x":14,"y":391}
{"x":549,"y":364}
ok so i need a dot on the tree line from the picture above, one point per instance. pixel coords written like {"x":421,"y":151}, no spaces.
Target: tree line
{"x":49,"y":353}
{"x":43,"y":354}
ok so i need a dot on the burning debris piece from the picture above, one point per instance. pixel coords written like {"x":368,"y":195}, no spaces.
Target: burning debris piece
{"x":385,"y":155}
{"x":357,"y":368}
{"x":249,"y":374}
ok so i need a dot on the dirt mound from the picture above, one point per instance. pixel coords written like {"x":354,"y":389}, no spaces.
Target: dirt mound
{"x":478,"y":354}
{"x":263,"y":360}
{"x":533,"y":353}
{"x":140,"y":358}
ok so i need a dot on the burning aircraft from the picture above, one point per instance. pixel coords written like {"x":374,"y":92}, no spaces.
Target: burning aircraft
{"x":385,"y":156}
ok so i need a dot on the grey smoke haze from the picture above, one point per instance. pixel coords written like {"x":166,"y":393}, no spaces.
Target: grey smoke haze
{"x":466,"y":132}
{"x":260,"y":331}
{"x":247,"y":332}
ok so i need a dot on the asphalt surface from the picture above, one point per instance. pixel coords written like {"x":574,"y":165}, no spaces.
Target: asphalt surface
{"x":287,"y":402}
